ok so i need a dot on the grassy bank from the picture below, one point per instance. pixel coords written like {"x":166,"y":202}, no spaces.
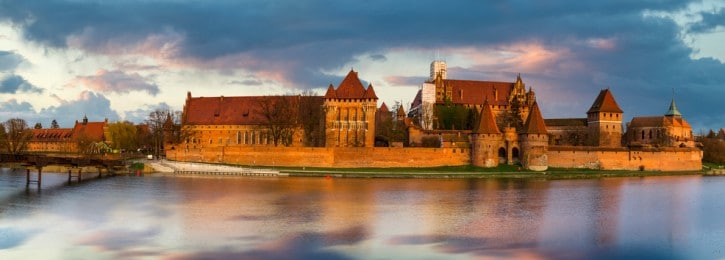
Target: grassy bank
{"x":465,"y":171}
{"x":504,"y":171}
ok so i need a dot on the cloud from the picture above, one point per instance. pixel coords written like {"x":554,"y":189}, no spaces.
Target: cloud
{"x":141,"y":114}
{"x":562,"y":48}
{"x":9,"y":60}
{"x":710,"y":21}
{"x":95,"y":106}
{"x":405,"y":81}
{"x":12,"y":84}
{"x":116,"y":82}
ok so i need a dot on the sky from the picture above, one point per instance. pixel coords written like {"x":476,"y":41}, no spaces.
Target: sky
{"x":121,"y":60}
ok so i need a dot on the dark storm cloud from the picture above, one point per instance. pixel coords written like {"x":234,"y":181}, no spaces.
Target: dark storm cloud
{"x":12,"y":84}
{"x":610,"y":43}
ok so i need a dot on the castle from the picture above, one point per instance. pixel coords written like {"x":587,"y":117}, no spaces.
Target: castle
{"x":481,"y":123}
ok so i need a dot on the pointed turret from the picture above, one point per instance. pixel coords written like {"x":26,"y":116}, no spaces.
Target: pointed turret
{"x":605,"y":103}
{"x":370,"y":92}
{"x":351,"y":87}
{"x":487,"y":123}
{"x":330,"y":92}
{"x":673,"y":112}
{"x":535,"y":122}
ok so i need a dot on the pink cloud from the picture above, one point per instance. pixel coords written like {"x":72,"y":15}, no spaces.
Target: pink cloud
{"x":116,"y":82}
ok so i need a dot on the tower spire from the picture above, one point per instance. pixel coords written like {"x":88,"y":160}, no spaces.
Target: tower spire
{"x":673,"y":112}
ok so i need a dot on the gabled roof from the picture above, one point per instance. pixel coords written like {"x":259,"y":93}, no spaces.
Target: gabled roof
{"x":330,"y":92}
{"x":535,"y":122}
{"x":658,"y":121}
{"x":52,"y":134}
{"x":370,"y":92}
{"x":605,"y":103}
{"x":351,"y":88}
{"x":477,"y":92}
{"x":418,"y":100}
{"x":566,"y":122}
{"x":487,"y":123}
{"x":244,"y":110}
{"x":94,"y":130}
{"x":384,"y":108}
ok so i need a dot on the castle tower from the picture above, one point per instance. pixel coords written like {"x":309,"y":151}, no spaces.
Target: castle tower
{"x":534,"y":141}
{"x":604,"y":120}
{"x":486,"y":139}
{"x":437,"y":67}
{"x":350,"y":114}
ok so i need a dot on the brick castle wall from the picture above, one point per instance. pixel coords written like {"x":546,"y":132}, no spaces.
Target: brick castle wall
{"x":338,"y":157}
{"x":663,"y":159}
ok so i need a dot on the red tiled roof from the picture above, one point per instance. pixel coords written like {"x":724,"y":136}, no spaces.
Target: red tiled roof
{"x":487,"y":123}
{"x":535,"y":122}
{"x":52,"y":134}
{"x":351,"y":88}
{"x":245,"y":110}
{"x":566,"y":122}
{"x":477,"y":92}
{"x":418,"y":99}
{"x":605,"y":103}
{"x":658,"y":121}
{"x":330,"y":92}
{"x":383,"y":108}
{"x":94,"y":130}
{"x":370,"y":92}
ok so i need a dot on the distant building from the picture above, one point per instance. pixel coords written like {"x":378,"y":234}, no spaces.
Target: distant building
{"x":439,"y":90}
{"x":66,"y":140}
{"x":661,"y":131}
{"x":347,"y":118}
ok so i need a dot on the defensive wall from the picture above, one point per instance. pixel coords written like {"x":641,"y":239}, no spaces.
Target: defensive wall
{"x":338,"y":157}
{"x":654,"y":159}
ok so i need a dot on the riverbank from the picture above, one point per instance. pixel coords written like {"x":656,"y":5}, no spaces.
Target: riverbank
{"x":503,"y":171}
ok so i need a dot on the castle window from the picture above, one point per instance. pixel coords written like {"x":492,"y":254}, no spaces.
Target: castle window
{"x":239,"y":137}
{"x":643,"y":134}
{"x":650,"y":134}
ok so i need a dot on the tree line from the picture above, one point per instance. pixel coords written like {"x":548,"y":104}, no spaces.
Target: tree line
{"x":162,"y":125}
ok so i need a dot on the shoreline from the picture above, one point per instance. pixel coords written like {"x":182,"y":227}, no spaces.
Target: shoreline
{"x":451,"y":172}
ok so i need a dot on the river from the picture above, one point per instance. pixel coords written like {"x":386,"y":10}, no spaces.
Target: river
{"x":162,"y":216}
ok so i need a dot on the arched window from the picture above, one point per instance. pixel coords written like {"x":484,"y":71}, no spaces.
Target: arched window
{"x":642,"y":135}
{"x":650,"y":134}
{"x":515,"y":153}
{"x":239,"y":137}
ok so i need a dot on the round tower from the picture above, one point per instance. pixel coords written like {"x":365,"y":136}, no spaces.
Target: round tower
{"x":534,"y":141}
{"x":486,"y":140}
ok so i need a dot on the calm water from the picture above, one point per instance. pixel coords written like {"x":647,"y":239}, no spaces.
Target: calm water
{"x":187,"y":217}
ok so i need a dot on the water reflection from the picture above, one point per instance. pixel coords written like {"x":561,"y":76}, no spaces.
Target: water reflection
{"x":192,"y":217}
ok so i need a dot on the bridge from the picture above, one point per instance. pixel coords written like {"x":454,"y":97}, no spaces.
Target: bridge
{"x":38,"y":161}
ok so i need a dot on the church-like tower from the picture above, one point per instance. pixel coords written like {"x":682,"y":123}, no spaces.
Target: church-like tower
{"x":350,"y":114}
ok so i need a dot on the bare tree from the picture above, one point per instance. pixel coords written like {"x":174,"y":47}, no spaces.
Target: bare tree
{"x":156,"y":122}
{"x":15,"y":136}
{"x":280,"y":114}
{"x":310,"y":116}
